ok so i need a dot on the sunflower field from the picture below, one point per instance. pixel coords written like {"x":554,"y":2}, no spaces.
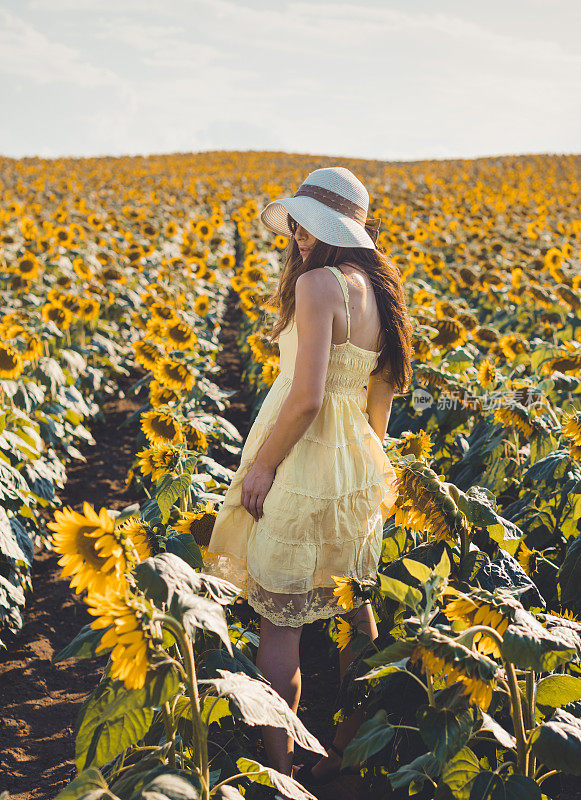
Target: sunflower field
{"x":117,"y":268}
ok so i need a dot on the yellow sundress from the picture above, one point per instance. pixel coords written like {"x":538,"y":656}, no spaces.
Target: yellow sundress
{"x":325,"y":510}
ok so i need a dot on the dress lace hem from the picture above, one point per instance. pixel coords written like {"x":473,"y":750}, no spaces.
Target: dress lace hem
{"x":282,"y":609}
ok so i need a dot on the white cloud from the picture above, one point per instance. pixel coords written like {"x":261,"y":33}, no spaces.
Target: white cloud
{"x":333,"y":25}
{"x":27,"y":53}
{"x":165,"y":46}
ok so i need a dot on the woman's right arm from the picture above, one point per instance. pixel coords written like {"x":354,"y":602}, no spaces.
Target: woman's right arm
{"x":379,"y":398}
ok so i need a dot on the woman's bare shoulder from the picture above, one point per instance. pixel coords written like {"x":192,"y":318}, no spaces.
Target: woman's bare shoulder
{"x":317,"y":287}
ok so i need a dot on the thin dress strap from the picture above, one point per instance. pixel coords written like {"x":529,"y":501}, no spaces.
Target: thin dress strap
{"x":341,"y":278}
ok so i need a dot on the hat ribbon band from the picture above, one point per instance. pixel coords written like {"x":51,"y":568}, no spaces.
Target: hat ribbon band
{"x":333,"y":200}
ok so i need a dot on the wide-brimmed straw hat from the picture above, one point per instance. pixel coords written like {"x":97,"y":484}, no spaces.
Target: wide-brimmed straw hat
{"x":332,"y":205}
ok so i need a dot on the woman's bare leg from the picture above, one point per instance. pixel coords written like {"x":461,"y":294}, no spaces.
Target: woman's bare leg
{"x":364,"y":620}
{"x":278,"y":660}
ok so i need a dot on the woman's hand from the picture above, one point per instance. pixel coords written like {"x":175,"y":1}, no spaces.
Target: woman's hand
{"x":255,"y":487}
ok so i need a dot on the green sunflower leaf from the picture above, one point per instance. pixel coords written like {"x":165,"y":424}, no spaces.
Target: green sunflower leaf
{"x":558,"y":690}
{"x":372,"y":736}
{"x":529,"y":645}
{"x":460,"y":772}
{"x":557,"y":743}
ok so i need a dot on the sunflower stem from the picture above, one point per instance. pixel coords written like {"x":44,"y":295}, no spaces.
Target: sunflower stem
{"x":415,"y":677}
{"x":468,"y":634}
{"x":516,"y":448}
{"x":464,"y":548}
{"x":430,"y":688}
{"x":169,"y":736}
{"x":547,"y":775}
{"x":517,"y":718}
{"x":531,"y":688}
{"x":233,"y":778}
{"x":199,"y":730}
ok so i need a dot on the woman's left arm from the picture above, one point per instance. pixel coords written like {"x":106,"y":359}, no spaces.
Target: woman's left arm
{"x":314,"y":320}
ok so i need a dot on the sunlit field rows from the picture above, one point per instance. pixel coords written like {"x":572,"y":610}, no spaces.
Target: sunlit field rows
{"x":110,"y":267}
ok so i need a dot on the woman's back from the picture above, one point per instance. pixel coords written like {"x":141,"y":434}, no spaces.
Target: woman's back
{"x":365,"y":322}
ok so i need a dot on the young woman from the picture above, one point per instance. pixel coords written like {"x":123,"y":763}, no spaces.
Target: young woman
{"x":314,"y":486}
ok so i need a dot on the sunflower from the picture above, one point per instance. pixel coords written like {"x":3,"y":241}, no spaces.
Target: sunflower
{"x":566,"y":361}
{"x":89,"y":308}
{"x":93,"y":552}
{"x":484,"y":335}
{"x":11,"y":364}
{"x":160,"y":395}
{"x":280,"y":241}
{"x":253,"y":275}
{"x":532,"y":229}
{"x":566,"y":614}
{"x":112,"y":273}
{"x":345,"y":632}
{"x":226,"y":261}
{"x":418,"y":445}
{"x":174,"y":374}
{"x":451,"y":333}
{"x":161,"y":427}
{"x":64,"y":236}
{"x":82,"y":270}
{"x":194,"y":437}
{"x":486,"y":373}
{"x":202,"y":305}
{"x":199,"y":524}
{"x":514,"y":417}
{"x":425,"y":504}
{"x":32,"y":349}
{"x":569,"y":296}
{"x":480,"y":607}
{"x":181,"y":336}
{"x":163,"y":313}
{"x":63,"y":282}
{"x":452,"y":662}
{"x":204,"y":230}
{"x":512,"y":346}
{"x":128,"y":636}
{"x":422,"y":350}
{"x":61,"y":317}
{"x":72,"y":302}
{"x":345,"y":590}
{"x":260,"y":347}
{"x":571,"y":429}
{"x":10,"y":330}
{"x":27,"y":228}
{"x":95,"y":222}
{"x":527,"y":558}
{"x":270,"y":370}
{"x":147,"y":353}
{"x":135,"y":253}
{"x":135,"y":532}
{"x":158,"y":460}
{"x":28,"y":267}
{"x":553,"y":258}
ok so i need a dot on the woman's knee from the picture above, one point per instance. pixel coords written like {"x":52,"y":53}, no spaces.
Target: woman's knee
{"x":279,"y":633}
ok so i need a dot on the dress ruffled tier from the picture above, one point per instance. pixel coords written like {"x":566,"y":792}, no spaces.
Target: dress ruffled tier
{"x":325,"y":511}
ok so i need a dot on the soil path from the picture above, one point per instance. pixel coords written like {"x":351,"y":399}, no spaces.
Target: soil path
{"x":40,"y":700}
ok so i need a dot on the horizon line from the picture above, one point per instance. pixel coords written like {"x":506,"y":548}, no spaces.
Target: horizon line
{"x":207,"y":151}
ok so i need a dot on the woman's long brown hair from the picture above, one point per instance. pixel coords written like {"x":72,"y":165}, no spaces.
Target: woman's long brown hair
{"x":395,"y":338}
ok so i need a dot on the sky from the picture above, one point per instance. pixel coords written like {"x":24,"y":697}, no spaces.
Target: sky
{"x":387,"y":79}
